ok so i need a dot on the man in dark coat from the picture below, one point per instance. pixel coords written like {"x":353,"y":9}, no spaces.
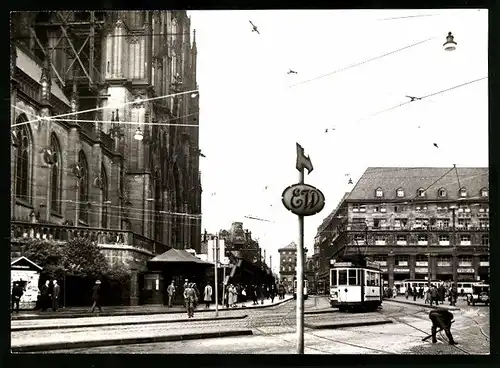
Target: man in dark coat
{"x":96,"y":297}
{"x":441,"y":292}
{"x":414,"y":293}
{"x":17,"y":293}
{"x":434,"y":295}
{"x":55,"y":296}
{"x":45,"y":296}
{"x":442,"y":318}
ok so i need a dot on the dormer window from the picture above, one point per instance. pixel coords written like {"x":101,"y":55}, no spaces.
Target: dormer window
{"x":379,"y":193}
{"x":484,"y":192}
{"x":442,"y":192}
{"x":421,"y":192}
{"x":463,"y":192}
{"x":400,"y":193}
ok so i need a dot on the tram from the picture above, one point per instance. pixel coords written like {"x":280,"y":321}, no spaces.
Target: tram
{"x":306,"y":284}
{"x":355,"y":284}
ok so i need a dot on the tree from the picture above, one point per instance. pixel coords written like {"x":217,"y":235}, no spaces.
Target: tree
{"x":47,"y":254}
{"x":83,"y":258}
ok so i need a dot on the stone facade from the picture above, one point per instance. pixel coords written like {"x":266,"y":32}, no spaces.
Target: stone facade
{"x":416,"y":222}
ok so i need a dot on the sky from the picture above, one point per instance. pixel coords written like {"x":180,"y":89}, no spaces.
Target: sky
{"x":252,"y":112}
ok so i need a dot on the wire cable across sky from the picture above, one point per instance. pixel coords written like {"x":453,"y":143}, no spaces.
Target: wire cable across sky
{"x":363,"y":62}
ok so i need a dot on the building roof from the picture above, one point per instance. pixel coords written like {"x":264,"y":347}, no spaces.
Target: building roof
{"x":291,"y":246}
{"x":19,"y":259}
{"x":177,"y":256}
{"x":411,"y":179}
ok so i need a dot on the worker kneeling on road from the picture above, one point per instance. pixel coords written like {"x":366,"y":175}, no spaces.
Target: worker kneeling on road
{"x":442,"y":318}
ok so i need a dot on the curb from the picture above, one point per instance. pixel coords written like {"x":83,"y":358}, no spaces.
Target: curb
{"x":347,"y":324}
{"x":322,"y":311}
{"x":135,"y":313}
{"x":55,"y":327}
{"x":126,"y":341}
{"x":425,"y":305}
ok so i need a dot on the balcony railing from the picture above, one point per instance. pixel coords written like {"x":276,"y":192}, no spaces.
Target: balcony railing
{"x":24,"y":230}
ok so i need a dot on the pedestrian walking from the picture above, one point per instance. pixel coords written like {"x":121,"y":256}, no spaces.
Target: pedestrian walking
{"x":17,"y":293}
{"x":394,"y":291}
{"x":171,"y":293}
{"x":272,"y":293}
{"x":434,"y":295}
{"x":207,"y":295}
{"x":441,"y":292}
{"x":427,"y":296}
{"x":45,"y":296}
{"x":190,"y":298}
{"x":442,"y":318}
{"x":186,"y":285}
{"x":262,"y":293}
{"x":96,"y":297}
{"x":454,"y":295}
{"x":421,"y":292}
{"x":197,"y":293}
{"x":414,"y":293}
{"x":55,"y":296}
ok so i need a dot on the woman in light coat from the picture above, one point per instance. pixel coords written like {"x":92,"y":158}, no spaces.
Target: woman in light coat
{"x":207,"y":295}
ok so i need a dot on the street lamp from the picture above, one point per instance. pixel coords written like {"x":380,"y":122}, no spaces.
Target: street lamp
{"x":138,"y":136}
{"x":450,"y":44}
{"x":454,"y":253}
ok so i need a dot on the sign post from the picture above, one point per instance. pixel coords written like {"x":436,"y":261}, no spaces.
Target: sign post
{"x":302,"y":200}
{"x":216,"y":258}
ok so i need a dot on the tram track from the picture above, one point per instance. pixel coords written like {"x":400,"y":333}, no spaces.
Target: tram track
{"x":285,"y":320}
{"x":442,"y":338}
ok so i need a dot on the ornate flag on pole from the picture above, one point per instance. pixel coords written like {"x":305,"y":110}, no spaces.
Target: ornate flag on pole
{"x":303,"y":161}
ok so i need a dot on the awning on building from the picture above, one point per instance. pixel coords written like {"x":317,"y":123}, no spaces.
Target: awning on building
{"x":178,"y":256}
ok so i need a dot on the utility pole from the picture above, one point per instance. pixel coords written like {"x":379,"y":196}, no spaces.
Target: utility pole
{"x":216,"y":258}
{"x":302,"y":200}
{"x":300,"y":280}
{"x":454,"y":256}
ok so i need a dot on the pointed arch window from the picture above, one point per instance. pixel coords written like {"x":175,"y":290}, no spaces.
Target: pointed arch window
{"x":421,"y":192}
{"x":23,"y":154}
{"x":442,"y":192}
{"x":83,"y":187}
{"x":104,"y":197}
{"x":55,"y":175}
{"x":463,"y":192}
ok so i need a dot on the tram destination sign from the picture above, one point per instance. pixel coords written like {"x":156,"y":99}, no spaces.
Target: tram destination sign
{"x":303,"y":199}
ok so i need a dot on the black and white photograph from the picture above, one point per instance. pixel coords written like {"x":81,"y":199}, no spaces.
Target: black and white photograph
{"x":250,"y":182}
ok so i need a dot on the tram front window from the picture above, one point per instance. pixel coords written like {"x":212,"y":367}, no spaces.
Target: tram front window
{"x":342,"y":277}
{"x":352,"y":277}
{"x":333,"y":277}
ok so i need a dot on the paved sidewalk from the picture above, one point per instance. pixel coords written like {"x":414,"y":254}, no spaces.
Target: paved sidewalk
{"x":420,"y":302}
{"x":65,"y":323}
{"x":79,"y":312}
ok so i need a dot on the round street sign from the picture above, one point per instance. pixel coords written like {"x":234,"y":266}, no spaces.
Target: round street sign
{"x":303,"y":199}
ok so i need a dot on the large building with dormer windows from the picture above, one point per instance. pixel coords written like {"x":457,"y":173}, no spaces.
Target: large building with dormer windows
{"x":85,"y":86}
{"x":416,"y":222}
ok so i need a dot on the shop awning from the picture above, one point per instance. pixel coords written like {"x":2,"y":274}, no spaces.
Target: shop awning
{"x":178,"y":256}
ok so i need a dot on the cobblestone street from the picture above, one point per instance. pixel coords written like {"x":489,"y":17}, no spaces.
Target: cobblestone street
{"x":274,"y":332}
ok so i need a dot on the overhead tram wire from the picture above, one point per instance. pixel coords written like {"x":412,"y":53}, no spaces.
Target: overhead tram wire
{"x":422,"y":98}
{"x":109,"y":107}
{"x":363,"y":62}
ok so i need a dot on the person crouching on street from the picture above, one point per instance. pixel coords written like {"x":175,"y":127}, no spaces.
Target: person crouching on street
{"x":190,"y":298}
{"x":207,"y":297}
{"x":442,"y":318}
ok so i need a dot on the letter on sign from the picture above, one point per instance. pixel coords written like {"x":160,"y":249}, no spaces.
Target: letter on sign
{"x":303,"y":199}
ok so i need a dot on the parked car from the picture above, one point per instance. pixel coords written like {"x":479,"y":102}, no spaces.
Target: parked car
{"x":480,"y":294}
